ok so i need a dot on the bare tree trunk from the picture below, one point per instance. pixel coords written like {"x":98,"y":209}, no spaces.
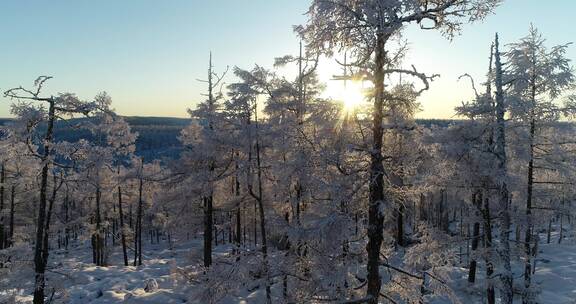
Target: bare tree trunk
{"x":208,"y":225}
{"x":208,"y":199}
{"x":12,"y":212}
{"x":215,"y":228}
{"x":477,"y":201}
{"x":99,"y":245}
{"x":529,"y":226}
{"x":376,"y":186}
{"x":549,"y":232}
{"x":490,"y":294}
{"x":461,"y":234}
{"x":39,"y":254}
{"x":561,"y":236}
{"x":66,"y":220}
{"x":52,"y":199}
{"x":255,"y":225}
{"x":138,"y":232}
{"x":535,"y":252}
{"x":122,"y":232}
{"x":260,"y":201}
{"x":238,"y":235}
{"x":507,"y":295}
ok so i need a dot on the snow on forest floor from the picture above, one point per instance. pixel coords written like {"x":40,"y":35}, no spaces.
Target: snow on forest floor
{"x":556,"y":273}
{"x":77,"y":280}
{"x":85,"y":283}
{"x":554,"y":279}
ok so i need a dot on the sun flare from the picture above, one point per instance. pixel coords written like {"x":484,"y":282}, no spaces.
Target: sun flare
{"x":353,"y":95}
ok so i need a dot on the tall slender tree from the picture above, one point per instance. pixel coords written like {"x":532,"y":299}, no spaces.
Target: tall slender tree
{"x":364,"y":28}
{"x":536,"y":77}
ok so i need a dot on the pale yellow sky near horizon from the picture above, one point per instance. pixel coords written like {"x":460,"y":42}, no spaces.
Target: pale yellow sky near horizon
{"x":147,"y":55}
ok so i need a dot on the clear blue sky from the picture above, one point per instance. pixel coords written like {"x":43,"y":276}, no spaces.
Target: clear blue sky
{"x":148,"y":54}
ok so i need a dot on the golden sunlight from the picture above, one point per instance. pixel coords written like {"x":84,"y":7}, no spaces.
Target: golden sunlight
{"x":352,"y":94}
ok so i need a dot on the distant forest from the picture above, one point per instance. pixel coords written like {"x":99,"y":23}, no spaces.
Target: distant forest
{"x":158,"y":136}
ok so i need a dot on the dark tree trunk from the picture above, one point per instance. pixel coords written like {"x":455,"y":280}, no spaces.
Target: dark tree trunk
{"x":561,"y":236}
{"x":138,"y":232}
{"x":51,"y":201}
{"x":298,"y":201}
{"x":477,"y":201}
{"x":39,"y":254}
{"x":208,"y":225}
{"x":490,"y":294}
{"x":12,"y":213}
{"x":255,"y":225}
{"x":215,"y":228}
{"x":122,"y":232}
{"x":99,"y":245}
{"x":528,"y":235}
{"x":507,"y":292}
{"x":422,"y":208}
{"x":238,"y":236}
{"x":549,"y":232}
{"x":376,"y":185}
{"x":66,"y":220}
{"x":260,"y":200}
{"x":461,"y":224}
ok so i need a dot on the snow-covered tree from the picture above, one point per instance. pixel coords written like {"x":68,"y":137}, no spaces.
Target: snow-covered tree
{"x":364,"y":28}
{"x":537,"y":77}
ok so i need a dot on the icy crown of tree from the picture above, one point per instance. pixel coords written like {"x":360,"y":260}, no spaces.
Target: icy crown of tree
{"x":529,"y":60}
{"x":537,"y":76}
{"x":342,"y":24}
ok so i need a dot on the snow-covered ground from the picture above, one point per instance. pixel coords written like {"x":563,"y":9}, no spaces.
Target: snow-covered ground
{"x":79,"y":281}
{"x":554,"y":279}
{"x":556,"y":273}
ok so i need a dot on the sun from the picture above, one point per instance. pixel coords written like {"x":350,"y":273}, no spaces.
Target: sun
{"x":352,"y":95}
